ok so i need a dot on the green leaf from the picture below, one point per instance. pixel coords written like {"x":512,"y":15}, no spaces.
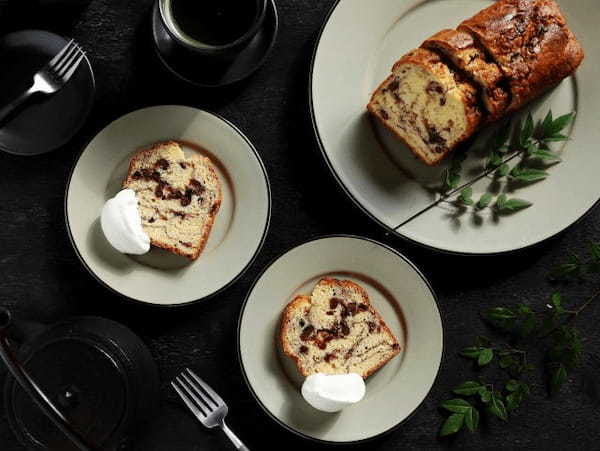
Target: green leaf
{"x":507,"y":361}
{"x":556,"y":138}
{"x":471,"y":352}
{"x":501,"y":201}
{"x":595,"y":251}
{"x":468,"y":388}
{"x":531,"y":148}
{"x":472,"y":419}
{"x":564,"y":270}
{"x":571,"y":268}
{"x":457,"y":405}
{"x":547,"y":123}
{"x":513,"y":205}
{"x":495,"y":160}
{"x":559,"y":125}
{"x":512,"y":401}
{"x":466,"y":196}
{"x":527,"y":175}
{"x":557,"y":303}
{"x":485,"y":395}
{"x":500,"y":313}
{"x":559,"y":377}
{"x":545,"y":155}
{"x":503,"y":170}
{"x":485,"y":357}
{"x":527,"y":131}
{"x":512,"y":385}
{"x":451,"y":179}
{"x":497,"y":407}
{"x":453,"y":424}
{"x":485,"y":201}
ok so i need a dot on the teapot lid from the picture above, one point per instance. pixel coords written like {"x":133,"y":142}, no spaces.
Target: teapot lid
{"x":89,"y":375}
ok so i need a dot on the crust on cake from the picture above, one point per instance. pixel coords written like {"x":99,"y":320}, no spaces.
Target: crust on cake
{"x":531,"y":43}
{"x":467,"y":56}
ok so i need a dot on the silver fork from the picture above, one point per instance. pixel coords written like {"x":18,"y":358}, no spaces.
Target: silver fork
{"x":206,"y":405}
{"x":50,"y":78}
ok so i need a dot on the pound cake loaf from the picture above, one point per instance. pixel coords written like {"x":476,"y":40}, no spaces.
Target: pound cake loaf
{"x":427,"y":104}
{"x":530,"y":41}
{"x":469,"y":57}
{"x":336,"y":331}
{"x":496,"y":62}
{"x":178,"y":197}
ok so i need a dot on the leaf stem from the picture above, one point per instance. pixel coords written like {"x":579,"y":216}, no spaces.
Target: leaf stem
{"x":445,"y":196}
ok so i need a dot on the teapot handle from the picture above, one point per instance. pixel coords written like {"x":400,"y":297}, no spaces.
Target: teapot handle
{"x":32,"y":389}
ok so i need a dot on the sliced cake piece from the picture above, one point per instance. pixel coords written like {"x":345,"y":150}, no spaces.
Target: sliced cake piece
{"x":336,"y":331}
{"x":428,"y":105}
{"x":531,"y":43}
{"x":468,"y":56}
{"x":178,"y":197}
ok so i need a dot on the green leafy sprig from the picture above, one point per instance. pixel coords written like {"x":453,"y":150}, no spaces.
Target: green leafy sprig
{"x":530,"y":144}
{"x":548,"y":328}
{"x":577,"y":267}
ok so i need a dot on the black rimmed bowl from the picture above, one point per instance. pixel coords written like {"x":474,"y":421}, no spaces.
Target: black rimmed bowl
{"x":205,"y":70}
{"x":159,"y":277}
{"x":43,"y":123}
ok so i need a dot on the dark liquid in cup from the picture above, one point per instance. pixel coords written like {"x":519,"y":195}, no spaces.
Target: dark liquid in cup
{"x":214,"y":22}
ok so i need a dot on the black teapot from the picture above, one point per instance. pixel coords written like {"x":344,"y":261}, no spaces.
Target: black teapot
{"x":80,"y":384}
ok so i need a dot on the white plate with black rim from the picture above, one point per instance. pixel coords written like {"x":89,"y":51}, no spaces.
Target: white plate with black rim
{"x":160,"y":277}
{"x":381,"y":175}
{"x":396,"y":289}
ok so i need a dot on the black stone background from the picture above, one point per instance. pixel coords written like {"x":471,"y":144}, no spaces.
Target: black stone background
{"x":42,"y":279}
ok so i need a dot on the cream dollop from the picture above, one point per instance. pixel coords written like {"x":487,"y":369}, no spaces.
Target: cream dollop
{"x":333,"y":392}
{"x":122,"y":224}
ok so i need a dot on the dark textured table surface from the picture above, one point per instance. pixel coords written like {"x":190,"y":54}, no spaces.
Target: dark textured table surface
{"x":42,"y":279}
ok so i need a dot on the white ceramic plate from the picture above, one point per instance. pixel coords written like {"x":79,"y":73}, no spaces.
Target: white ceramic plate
{"x":403,"y":297}
{"x":160,"y":277}
{"x":358,"y":45}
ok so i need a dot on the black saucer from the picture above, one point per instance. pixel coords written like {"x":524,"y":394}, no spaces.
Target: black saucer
{"x":205,"y":71}
{"x":43,"y":123}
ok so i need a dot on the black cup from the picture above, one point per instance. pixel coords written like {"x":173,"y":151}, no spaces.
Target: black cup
{"x":222,"y":51}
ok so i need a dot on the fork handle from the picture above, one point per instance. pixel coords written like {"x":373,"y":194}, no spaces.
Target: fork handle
{"x":234,"y":439}
{"x":6,"y":110}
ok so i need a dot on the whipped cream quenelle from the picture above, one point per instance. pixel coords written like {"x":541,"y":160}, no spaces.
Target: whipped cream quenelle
{"x":333,"y":392}
{"x":122,"y":224}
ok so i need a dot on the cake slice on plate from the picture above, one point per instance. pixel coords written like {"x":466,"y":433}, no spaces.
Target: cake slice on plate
{"x":427,"y":104}
{"x":179,"y":197}
{"x":465,"y":54}
{"x":336,"y":330}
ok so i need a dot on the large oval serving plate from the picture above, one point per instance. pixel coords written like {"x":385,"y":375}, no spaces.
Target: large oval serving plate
{"x":357,"y":47}
{"x":160,"y":277}
{"x":396,"y":289}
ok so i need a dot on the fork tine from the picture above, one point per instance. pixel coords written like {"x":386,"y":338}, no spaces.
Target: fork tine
{"x":65,"y":58}
{"x":64,"y":67}
{"x":70,"y":71}
{"x":198,"y":413}
{"x":60,"y":54}
{"x":214,"y":397}
{"x":193,"y":393}
{"x":205,"y":399}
